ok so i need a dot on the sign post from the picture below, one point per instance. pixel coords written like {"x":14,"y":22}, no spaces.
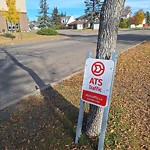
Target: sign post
{"x":106,"y":109}
{"x":81,"y":112}
{"x":96,"y":90}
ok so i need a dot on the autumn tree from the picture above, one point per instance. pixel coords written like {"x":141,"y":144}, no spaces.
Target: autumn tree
{"x":12,"y":15}
{"x":139,"y":17}
{"x":106,"y":44}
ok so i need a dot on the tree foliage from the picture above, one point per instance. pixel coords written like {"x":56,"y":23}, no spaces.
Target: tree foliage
{"x":12,"y":16}
{"x":92,"y":10}
{"x":139,"y":17}
{"x":43,"y":19}
{"x":63,"y":14}
{"x":56,"y":19}
{"x":147,"y":15}
{"x":123,"y":23}
{"x":47,"y":31}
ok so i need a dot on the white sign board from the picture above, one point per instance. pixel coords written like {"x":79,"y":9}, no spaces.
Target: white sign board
{"x":98,"y":75}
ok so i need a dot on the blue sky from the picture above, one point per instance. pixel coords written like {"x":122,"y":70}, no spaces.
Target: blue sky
{"x":76,"y":7}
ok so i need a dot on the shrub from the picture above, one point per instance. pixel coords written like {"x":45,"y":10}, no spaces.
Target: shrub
{"x":60,"y":27}
{"x":47,"y":31}
{"x":129,"y":23}
{"x":123,"y":25}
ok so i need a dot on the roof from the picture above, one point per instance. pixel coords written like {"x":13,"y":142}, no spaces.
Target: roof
{"x":67,"y":17}
{"x":76,"y":22}
{"x":81,"y":17}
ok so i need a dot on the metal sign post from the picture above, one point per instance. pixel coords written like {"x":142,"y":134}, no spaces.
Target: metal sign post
{"x":106,"y":110}
{"x":97,"y":90}
{"x":81,"y":112}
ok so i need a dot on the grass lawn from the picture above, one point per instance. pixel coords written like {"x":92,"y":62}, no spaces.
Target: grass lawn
{"x":47,"y":121}
{"x":26,"y":37}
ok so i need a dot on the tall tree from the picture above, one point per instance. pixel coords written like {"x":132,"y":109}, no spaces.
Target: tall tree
{"x":56,"y":19}
{"x":92,"y":10}
{"x":147,"y":15}
{"x":63,"y":14}
{"x":106,"y":44}
{"x":12,"y":16}
{"x":43,"y":19}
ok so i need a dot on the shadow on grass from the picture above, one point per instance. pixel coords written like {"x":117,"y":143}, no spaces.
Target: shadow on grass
{"x":41,"y":122}
{"x":9,"y":35}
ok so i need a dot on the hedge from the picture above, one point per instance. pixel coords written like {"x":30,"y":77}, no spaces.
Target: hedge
{"x":47,"y":31}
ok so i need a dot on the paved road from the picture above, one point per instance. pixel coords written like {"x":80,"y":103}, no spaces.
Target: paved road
{"x":24,"y":66}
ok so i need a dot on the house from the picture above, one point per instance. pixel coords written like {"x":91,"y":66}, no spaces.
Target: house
{"x":86,"y":23}
{"x":84,"y":20}
{"x":23,"y":22}
{"x":76,"y":25}
{"x":66,"y":20}
{"x":142,"y":24}
{"x":126,"y":14}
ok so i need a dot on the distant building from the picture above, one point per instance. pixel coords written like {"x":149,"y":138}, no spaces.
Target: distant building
{"x":84,"y":20}
{"x":125,"y":14}
{"x":23,"y":22}
{"x":66,"y":20}
{"x":82,"y":23}
{"x":76,"y":25}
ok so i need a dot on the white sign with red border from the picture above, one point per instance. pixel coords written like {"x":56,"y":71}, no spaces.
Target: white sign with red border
{"x":98,"y":75}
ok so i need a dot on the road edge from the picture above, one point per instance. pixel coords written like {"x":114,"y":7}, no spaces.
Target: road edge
{"x":59,"y":81}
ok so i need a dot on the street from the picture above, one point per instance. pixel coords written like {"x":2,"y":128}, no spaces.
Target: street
{"x":23,"y":67}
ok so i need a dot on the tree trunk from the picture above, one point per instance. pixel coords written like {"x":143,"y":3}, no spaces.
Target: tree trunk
{"x":106,"y":44}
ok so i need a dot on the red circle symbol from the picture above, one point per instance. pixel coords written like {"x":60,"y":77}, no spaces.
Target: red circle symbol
{"x":98,"y":68}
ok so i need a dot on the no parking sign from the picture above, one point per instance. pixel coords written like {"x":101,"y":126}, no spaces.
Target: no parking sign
{"x":98,"y":75}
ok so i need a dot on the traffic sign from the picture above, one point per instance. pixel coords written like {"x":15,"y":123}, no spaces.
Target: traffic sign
{"x":98,"y":75}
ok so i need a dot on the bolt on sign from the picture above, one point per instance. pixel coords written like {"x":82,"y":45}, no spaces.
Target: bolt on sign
{"x":98,"y":75}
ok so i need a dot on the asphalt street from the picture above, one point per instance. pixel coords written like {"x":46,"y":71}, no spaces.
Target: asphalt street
{"x":23,"y":67}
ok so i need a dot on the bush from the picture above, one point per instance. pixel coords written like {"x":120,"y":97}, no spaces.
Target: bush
{"x":129,"y":24}
{"x":60,"y":27}
{"x":123,"y":25}
{"x":47,"y":31}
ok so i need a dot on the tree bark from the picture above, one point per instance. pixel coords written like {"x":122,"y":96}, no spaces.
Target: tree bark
{"x":106,"y":44}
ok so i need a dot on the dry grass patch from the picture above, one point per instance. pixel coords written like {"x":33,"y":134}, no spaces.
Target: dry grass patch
{"x":27,"y":37}
{"x":49,"y":121}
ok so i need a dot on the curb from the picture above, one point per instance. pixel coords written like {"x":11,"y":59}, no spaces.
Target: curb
{"x":59,"y":81}
{"x":38,"y":91}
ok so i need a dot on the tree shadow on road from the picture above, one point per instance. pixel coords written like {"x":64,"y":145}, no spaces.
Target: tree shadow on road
{"x":40,"y":122}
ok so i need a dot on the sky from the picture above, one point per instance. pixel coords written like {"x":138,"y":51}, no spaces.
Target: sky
{"x":76,"y":7}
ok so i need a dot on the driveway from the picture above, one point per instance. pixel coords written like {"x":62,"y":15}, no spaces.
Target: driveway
{"x":24,"y":67}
